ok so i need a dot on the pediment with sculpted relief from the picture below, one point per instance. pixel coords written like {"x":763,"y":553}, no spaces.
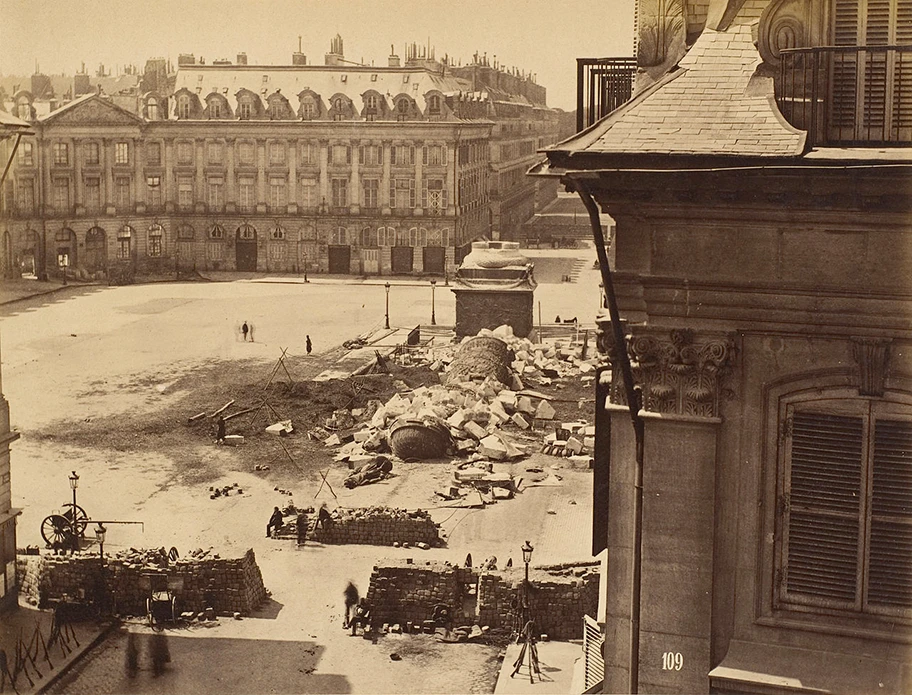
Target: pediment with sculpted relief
{"x":93,"y":111}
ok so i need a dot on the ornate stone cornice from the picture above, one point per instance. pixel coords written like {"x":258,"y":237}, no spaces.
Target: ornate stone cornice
{"x":784,"y":24}
{"x":678,"y":371}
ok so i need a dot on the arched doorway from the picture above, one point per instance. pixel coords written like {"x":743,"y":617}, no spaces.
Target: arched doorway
{"x":65,"y":248}
{"x":245,"y":248}
{"x":30,"y":256}
{"x":95,"y":250}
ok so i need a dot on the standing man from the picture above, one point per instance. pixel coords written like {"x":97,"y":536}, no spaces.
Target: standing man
{"x":220,"y":430}
{"x":308,"y":345}
{"x":351,"y":602}
{"x":275,"y":522}
{"x":245,"y":329}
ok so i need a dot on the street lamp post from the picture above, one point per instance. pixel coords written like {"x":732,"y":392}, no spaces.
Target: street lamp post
{"x":305,"y":265}
{"x":433,"y":314}
{"x":387,"y":323}
{"x":529,"y":649}
{"x":74,"y":483}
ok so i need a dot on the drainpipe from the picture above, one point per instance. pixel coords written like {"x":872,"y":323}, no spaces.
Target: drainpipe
{"x":634,"y":404}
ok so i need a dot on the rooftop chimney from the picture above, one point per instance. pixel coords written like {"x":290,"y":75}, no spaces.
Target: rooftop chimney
{"x":298,"y":58}
{"x":335,"y":55}
{"x":242,"y":59}
{"x":186,"y":59}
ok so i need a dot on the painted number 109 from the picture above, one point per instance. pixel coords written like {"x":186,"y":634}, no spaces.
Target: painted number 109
{"x":672,"y":661}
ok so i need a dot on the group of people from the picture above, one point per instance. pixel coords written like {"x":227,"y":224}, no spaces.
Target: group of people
{"x":357,"y":612}
{"x":324,"y":519}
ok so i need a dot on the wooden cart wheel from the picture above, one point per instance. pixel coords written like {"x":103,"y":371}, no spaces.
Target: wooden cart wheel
{"x":82,"y":519}
{"x":57,"y":531}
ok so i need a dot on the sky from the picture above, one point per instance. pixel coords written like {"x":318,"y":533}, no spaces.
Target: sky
{"x":538,"y":36}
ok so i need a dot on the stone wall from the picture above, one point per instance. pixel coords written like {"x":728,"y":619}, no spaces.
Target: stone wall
{"x":227,"y":585}
{"x":402,"y":592}
{"x":376,"y":526}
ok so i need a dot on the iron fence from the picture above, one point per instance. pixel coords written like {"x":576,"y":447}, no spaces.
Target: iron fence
{"x":602,"y":85}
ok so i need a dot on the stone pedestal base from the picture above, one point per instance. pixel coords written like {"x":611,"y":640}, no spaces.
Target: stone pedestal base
{"x":490,"y":308}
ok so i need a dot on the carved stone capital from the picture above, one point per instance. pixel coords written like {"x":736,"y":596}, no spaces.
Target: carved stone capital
{"x":872,"y":355}
{"x":678,"y":371}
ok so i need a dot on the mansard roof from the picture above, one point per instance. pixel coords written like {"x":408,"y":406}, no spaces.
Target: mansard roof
{"x":714,"y":103}
{"x":350,"y":81}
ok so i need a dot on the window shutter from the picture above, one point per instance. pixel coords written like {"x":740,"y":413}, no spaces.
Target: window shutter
{"x":392,"y":192}
{"x":823,"y":507}
{"x":890,"y":561}
{"x":444,"y":149}
{"x":361,"y":154}
{"x":411,"y":193}
{"x":424,"y":155}
{"x":424,"y":194}
{"x":411,"y":154}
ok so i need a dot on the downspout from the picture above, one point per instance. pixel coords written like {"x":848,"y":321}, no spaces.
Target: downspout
{"x":634,"y":404}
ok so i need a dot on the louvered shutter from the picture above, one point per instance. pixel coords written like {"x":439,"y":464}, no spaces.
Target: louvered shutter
{"x":902,"y":72}
{"x":824,"y":507}
{"x":890,"y":554}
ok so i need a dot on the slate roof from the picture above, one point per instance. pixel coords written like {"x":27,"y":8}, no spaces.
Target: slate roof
{"x":713,"y":104}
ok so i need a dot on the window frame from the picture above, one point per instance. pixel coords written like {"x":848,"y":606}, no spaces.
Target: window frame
{"x":61,"y":153}
{"x":122,"y":153}
{"x":826,"y":613}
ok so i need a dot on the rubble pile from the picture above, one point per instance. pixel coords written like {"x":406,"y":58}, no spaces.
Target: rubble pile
{"x":377,"y":526}
{"x":404,"y":593}
{"x":200,"y":581}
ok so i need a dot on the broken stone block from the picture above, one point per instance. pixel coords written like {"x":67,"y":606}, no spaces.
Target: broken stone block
{"x":362,"y":436}
{"x":493,"y":447}
{"x":458,"y":418}
{"x":544,"y":411}
{"x":524,"y":405}
{"x":497,"y":410}
{"x":517,"y":384}
{"x":520,"y":421}
{"x":589,"y":443}
{"x":474,"y":429}
{"x":574,"y":445}
{"x":281,"y":428}
{"x":465,"y":445}
{"x":332,"y":440}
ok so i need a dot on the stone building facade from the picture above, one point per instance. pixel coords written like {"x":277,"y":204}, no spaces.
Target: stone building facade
{"x":762,"y":194}
{"x":339,"y":168}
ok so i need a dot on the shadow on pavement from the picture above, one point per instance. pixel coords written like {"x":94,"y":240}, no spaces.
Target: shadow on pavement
{"x":168,"y":662}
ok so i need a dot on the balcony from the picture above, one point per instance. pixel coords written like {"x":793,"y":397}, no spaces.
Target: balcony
{"x":602,"y":84}
{"x":848,"y":95}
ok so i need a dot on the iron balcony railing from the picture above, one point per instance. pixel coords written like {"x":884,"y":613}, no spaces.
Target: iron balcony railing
{"x":602,"y":84}
{"x":848,"y":95}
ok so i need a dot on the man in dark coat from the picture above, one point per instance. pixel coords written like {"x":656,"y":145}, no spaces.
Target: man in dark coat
{"x":351,"y":601}
{"x":275,"y":522}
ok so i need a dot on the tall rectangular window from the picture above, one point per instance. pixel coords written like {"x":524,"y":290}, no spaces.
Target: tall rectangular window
{"x":434,"y":196}
{"x":278,"y":193}
{"x":846,"y":502}
{"x":340,"y":154}
{"x":371,"y":193}
{"x":214,"y":152}
{"x":340,"y":193}
{"x":277,"y":153}
{"x":122,"y":197}
{"x":185,"y":152}
{"x":25,"y":197}
{"x":154,"y":191}
{"x":61,"y":195}
{"x":371,"y":155}
{"x":309,"y":154}
{"x":402,"y":193}
{"x":309,"y":193}
{"x":185,"y":192}
{"x":121,"y":153}
{"x":91,"y":153}
{"x":92,"y":194}
{"x":25,"y":155}
{"x":435,"y":155}
{"x":403,"y":155}
{"x":61,"y":154}
{"x":216,"y":192}
{"x":246,"y":152}
{"x":153,"y":154}
{"x":247,"y":193}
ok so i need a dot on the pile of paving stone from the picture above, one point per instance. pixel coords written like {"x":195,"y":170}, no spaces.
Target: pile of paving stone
{"x":403,"y":592}
{"x":377,"y":526}
{"x":200,"y":581}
